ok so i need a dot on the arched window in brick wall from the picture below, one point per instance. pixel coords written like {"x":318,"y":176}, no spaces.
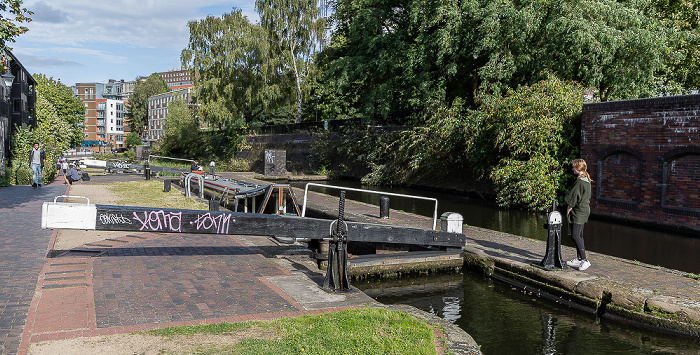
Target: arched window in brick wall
{"x":680,"y":194}
{"x":619,"y":177}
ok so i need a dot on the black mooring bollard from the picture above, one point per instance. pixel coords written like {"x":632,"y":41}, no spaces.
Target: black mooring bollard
{"x":384,"y":207}
{"x":147,"y":171}
{"x":166,"y":185}
{"x":552,"y":258}
{"x":213,"y":205}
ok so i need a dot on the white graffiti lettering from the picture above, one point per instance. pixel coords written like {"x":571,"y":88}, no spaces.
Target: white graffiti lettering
{"x":160,"y":221}
{"x":121,"y":165}
{"x":113,"y":218}
{"x":219,"y":223}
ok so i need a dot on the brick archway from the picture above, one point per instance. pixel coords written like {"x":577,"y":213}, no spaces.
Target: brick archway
{"x":680,"y":195}
{"x":619,"y":177}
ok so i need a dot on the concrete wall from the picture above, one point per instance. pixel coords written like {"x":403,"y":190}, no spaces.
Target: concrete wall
{"x":645,"y":157}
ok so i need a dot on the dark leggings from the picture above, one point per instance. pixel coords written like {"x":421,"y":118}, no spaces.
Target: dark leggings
{"x":577,"y":236}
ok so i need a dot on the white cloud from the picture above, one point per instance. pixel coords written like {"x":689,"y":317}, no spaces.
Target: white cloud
{"x":145,"y":23}
{"x":96,"y":40}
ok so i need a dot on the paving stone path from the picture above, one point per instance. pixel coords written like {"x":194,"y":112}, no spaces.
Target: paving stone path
{"x":23,"y":248}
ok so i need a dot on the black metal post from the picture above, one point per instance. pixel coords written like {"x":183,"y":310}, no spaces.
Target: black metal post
{"x":552,"y":258}
{"x":147,"y":171}
{"x":213,"y":205}
{"x":384,"y":207}
{"x":166,"y":185}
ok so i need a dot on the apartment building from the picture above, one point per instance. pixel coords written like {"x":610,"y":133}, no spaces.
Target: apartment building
{"x":177,"y":79}
{"x":17,"y":102}
{"x":158,"y":112}
{"x":103,"y":123}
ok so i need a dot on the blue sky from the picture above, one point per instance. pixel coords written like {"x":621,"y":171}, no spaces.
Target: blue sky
{"x":80,"y":41}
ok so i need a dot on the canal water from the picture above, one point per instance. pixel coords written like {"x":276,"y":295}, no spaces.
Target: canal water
{"x":624,"y":240}
{"x":505,"y":320}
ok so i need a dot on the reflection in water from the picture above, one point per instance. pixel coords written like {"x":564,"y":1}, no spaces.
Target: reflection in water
{"x":450,"y":312}
{"x":623,"y":239}
{"x":505,"y":321}
{"x":549,"y":334}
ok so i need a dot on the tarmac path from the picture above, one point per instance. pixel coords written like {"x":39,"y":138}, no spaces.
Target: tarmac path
{"x":23,"y":249}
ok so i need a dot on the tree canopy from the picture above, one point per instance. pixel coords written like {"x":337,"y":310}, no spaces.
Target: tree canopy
{"x":12,"y":15}
{"x":137,"y":113}
{"x":293,"y":28}
{"x":68,"y":108}
{"x":389,"y":55}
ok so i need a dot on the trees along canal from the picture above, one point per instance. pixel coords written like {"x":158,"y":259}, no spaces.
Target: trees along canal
{"x":137,"y":113}
{"x":59,"y":115}
{"x":489,"y":86}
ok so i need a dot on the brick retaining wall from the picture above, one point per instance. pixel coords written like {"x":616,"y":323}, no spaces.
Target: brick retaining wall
{"x":644,"y":156}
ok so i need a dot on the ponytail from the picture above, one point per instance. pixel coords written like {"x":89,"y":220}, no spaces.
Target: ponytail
{"x":581,"y":166}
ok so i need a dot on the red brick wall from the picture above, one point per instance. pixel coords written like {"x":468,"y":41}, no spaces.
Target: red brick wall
{"x":644,"y":156}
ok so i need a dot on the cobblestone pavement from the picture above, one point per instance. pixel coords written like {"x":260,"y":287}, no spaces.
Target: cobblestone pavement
{"x":23,"y":248}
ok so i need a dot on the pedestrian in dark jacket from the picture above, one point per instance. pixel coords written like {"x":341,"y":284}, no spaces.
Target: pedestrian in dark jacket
{"x":37,"y":157}
{"x":578,"y":209}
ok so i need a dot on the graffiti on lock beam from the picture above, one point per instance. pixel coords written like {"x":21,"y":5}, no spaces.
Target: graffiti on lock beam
{"x":121,"y":165}
{"x":159,"y":220}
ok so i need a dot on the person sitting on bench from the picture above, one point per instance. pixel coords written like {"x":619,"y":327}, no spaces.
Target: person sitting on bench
{"x":71,"y":175}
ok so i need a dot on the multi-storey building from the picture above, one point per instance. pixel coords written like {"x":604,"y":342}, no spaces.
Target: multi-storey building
{"x":17,"y":102}
{"x":103,"y":124}
{"x":177,"y":79}
{"x":158,"y":111}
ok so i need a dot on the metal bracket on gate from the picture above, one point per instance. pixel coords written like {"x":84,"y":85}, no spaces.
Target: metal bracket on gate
{"x":337,"y":279}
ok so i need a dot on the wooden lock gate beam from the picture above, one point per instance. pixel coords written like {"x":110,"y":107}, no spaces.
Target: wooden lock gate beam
{"x":286,"y":229}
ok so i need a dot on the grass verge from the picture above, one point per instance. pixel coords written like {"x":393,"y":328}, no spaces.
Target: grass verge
{"x":149,"y":193}
{"x":354,"y":331}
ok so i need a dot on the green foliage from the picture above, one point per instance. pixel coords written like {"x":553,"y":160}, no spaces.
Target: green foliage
{"x":408,"y":55}
{"x":184,"y":138}
{"x":132,"y":139}
{"x":440,"y":143}
{"x":10,"y":26}
{"x":520,"y":141}
{"x":58,"y":115}
{"x":136,"y":115}
{"x":68,"y":108}
{"x":535,"y":130}
{"x":682,"y":69}
{"x":181,"y":129}
{"x":22,"y":144}
{"x":237,"y":79}
{"x":293,"y":28}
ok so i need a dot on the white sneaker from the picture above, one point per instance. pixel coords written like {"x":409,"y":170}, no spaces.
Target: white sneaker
{"x":574,"y":263}
{"x":585,"y":264}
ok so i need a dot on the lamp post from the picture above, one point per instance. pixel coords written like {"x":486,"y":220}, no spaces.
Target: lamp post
{"x":9,"y":79}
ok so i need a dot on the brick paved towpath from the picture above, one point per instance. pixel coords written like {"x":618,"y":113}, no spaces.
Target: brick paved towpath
{"x":23,"y":249}
{"x":141,"y":281}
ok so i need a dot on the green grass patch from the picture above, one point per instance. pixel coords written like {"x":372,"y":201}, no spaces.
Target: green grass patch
{"x":216,"y":329}
{"x":149,"y":193}
{"x":355,"y":331}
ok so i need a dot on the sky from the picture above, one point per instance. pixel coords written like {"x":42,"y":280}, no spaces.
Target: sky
{"x":84,"y":41}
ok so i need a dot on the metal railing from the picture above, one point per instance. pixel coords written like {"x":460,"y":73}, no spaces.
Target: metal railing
{"x":158,"y":156}
{"x":306,"y":190}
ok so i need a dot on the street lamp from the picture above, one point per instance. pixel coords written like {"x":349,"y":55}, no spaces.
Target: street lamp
{"x":9,"y":79}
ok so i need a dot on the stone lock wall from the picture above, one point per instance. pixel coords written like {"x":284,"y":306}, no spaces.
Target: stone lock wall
{"x":644,"y":156}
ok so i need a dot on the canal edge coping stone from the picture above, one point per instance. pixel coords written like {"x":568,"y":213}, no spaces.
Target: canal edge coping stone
{"x":604,"y":297}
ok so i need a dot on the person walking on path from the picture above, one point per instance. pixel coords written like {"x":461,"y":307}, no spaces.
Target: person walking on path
{"x":64,"y":166}
{"x":577,"y":211}
{"x":37,"y":157}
